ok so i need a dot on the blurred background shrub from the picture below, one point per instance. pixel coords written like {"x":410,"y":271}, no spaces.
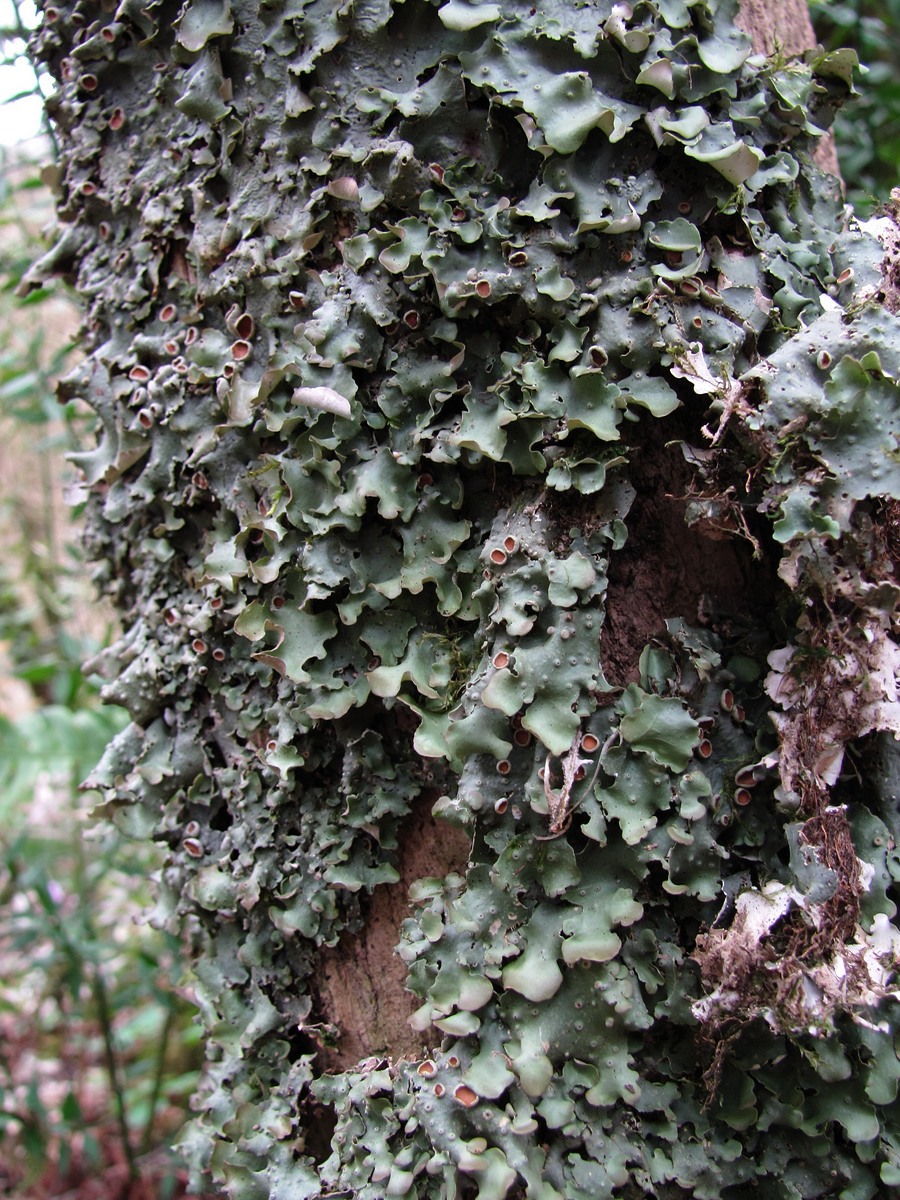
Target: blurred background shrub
{"x":867,"y":132}
{"x":99,"y":1054}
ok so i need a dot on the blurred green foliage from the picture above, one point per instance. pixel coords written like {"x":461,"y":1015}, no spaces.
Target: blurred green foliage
{"x":98,"y":1051}
{"x":42,"y":581}
{"x":867,"y":131}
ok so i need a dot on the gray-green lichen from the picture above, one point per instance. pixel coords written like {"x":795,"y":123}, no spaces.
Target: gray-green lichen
{"x":382,"y":299}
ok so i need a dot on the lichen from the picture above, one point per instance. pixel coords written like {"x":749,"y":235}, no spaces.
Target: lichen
{"x":382,"y":303}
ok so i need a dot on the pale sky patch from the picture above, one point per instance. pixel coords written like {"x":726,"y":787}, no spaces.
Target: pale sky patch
{"x":20,"y":119}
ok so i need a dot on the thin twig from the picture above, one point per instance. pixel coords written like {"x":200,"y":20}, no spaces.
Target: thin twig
{"x":101,"y":999}
{"x":158,"y":1077}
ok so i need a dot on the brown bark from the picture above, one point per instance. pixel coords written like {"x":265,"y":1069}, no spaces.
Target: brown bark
{"x":705,"y":572}
{"x":783,"y":26}
{"x":361,"y":982}
{"x":777,"y":25}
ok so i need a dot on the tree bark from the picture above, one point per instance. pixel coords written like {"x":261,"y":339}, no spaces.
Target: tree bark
{"x":786,"y":29}
{"x":488,"y":478}
{"x":774,"y":28}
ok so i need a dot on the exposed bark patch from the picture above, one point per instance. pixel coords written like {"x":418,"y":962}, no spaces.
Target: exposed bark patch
{"x":670,"y":569}
{"x":361,"y":982}
{"x":785,"y":27}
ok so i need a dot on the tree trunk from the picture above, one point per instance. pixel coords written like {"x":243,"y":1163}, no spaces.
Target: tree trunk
{"x":496,"y":476}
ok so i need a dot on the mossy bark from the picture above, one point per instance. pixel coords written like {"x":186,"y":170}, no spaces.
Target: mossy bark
{"x":495,"y":475}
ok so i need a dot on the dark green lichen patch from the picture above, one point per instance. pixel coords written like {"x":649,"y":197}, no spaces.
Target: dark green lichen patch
{"x":388,"y":309}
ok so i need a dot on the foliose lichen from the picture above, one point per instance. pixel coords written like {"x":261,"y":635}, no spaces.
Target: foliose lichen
{"x":381,"y":301}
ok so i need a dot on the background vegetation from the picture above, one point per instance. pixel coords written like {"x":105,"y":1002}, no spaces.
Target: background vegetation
{"x":97,"y":1053}
{"x":98,"y":1050}
{"x":867,"y":132}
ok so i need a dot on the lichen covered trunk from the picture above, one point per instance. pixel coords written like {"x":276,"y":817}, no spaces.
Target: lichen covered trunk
{"x":496,"y":421}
